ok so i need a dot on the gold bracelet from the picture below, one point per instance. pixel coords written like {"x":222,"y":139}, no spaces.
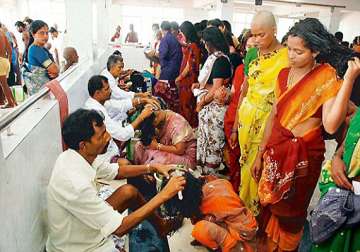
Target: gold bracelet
{"x":158,"y":146}
{"x":148,"y":167}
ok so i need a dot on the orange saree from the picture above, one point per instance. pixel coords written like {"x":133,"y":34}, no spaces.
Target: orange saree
{"x":234,"y":226}
{"x":292,"y":164}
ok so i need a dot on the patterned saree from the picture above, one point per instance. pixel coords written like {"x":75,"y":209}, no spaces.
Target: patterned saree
{"x":253,"y":114}
{"x":292,"y":164}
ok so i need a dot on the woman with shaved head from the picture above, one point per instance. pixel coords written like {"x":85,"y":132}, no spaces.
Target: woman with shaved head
{"x":256,"y":101}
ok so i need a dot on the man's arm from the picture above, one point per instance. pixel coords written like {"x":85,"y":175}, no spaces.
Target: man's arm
{"x":175,"y":185}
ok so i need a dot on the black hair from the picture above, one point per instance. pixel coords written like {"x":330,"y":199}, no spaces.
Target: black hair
{"x":52,"y":30}
{"x":188,"y":29}
{"x":318,"y":39}
{"x":156,"y":25}
{"x":147,"y":130}
{"x":190,"y":204}
{"x":20,"y":24}
{"x":227,"y":26}
{"x":215,"y":22}
{"x":229,"y":39}
{"x":112,"y":60}
{"x":356,"y":41}
{"x":174,"y":26}
{"x":203,"y":24}
{"x":34,"y":27}
{"x":215,"y":39}
{"x":165,"y":25}
{"x":96,"y":83}
{"x":339,"y":36}
{"x":78,"y":127}
{"x":117,"y":52}
{"x":28,"y":20}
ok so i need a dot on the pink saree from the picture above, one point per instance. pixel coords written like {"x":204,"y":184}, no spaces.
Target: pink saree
{"x":175,"y":130}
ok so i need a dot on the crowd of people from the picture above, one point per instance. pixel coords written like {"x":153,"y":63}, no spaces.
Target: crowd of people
{"x":231,"y":136}
{"x":32,"y":62}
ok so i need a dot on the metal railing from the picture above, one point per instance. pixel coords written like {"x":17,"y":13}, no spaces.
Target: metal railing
{"x":8,"y":118}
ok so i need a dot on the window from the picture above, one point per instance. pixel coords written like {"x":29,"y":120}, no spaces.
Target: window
{"x":240,"y":22}
{"x":143,"y":17}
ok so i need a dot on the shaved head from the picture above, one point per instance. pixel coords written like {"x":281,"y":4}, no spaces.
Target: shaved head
{"x":264,"y":19}
{"x":68,"y":51}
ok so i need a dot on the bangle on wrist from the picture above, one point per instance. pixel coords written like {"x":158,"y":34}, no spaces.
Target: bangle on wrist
{"x":148,"y":168}
{"x":158,"y":146}
{"x":234,"y":130}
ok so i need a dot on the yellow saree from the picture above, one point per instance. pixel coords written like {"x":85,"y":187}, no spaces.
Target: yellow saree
{"x":253,"y":114}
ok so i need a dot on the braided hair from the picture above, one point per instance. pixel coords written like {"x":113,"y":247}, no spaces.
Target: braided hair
{"x":318,"y":39}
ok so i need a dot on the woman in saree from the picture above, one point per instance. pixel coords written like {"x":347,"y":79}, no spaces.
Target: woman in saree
{"x":232,"y":153}
{"x":212,"y":93}
{"x":221,"y":221}
{"x":189,"y":72}
{"x":339,"y":173}
{"x":39,"y":61}
{"x":310,"y":98}
{"x":255,"y":102}
{"x":166,"y":138}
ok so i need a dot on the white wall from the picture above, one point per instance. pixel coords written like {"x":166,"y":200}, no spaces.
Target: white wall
{"x":26,"y":170}
{"x":349,"y":25}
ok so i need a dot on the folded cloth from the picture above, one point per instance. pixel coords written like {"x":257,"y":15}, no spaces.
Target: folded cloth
{"x":335,"y":209}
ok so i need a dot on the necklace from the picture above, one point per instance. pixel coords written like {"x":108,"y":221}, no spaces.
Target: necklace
{"x":291,"y":81}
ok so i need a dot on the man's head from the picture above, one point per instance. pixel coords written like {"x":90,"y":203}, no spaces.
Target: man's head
{"x":115,"y":65}
{"x":71,"y":56}
{"x":174,"y":28}
{"x":189,"y":205}
{"x":99,"y":89}
{"x":339,"y":36}
{"x":263,"y":29}
{"x":20,"y":26}
{"x":131,"y":27}
{"x":84,"y":131}
{"x":54,"y":33}
{"x":165,"y":26}
{"x":155,"y":27}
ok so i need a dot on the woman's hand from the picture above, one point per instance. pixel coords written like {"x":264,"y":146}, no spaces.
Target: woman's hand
{"x":257,"y":167}
{"x":234,"y":140}
{"x":338,"y":174}
{"x":153,"y":145}
{"x":353,"y":70}
{"x":195,"y":85}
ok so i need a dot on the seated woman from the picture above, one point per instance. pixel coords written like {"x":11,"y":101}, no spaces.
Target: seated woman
{"x":221,"y":221}
{"x":167,"y":138}
{"x":40,"y":67}
{"x":344,"y":168}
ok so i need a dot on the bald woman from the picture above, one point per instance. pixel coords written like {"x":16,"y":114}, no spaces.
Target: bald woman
{"x":256,"y":100}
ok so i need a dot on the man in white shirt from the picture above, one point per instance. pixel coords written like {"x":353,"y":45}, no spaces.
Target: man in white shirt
{"x":114,"y":69}
{"x":78,"y":219}
{"x":100,"y":93}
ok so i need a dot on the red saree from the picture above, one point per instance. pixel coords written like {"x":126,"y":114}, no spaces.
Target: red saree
{"x":232,"y":155}
{"x":292,"y":164}
{"x":191,"y":57}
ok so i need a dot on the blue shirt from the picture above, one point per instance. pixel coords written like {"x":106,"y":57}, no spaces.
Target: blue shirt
{"x":170,"y":54}
{"x":39,"y":56}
